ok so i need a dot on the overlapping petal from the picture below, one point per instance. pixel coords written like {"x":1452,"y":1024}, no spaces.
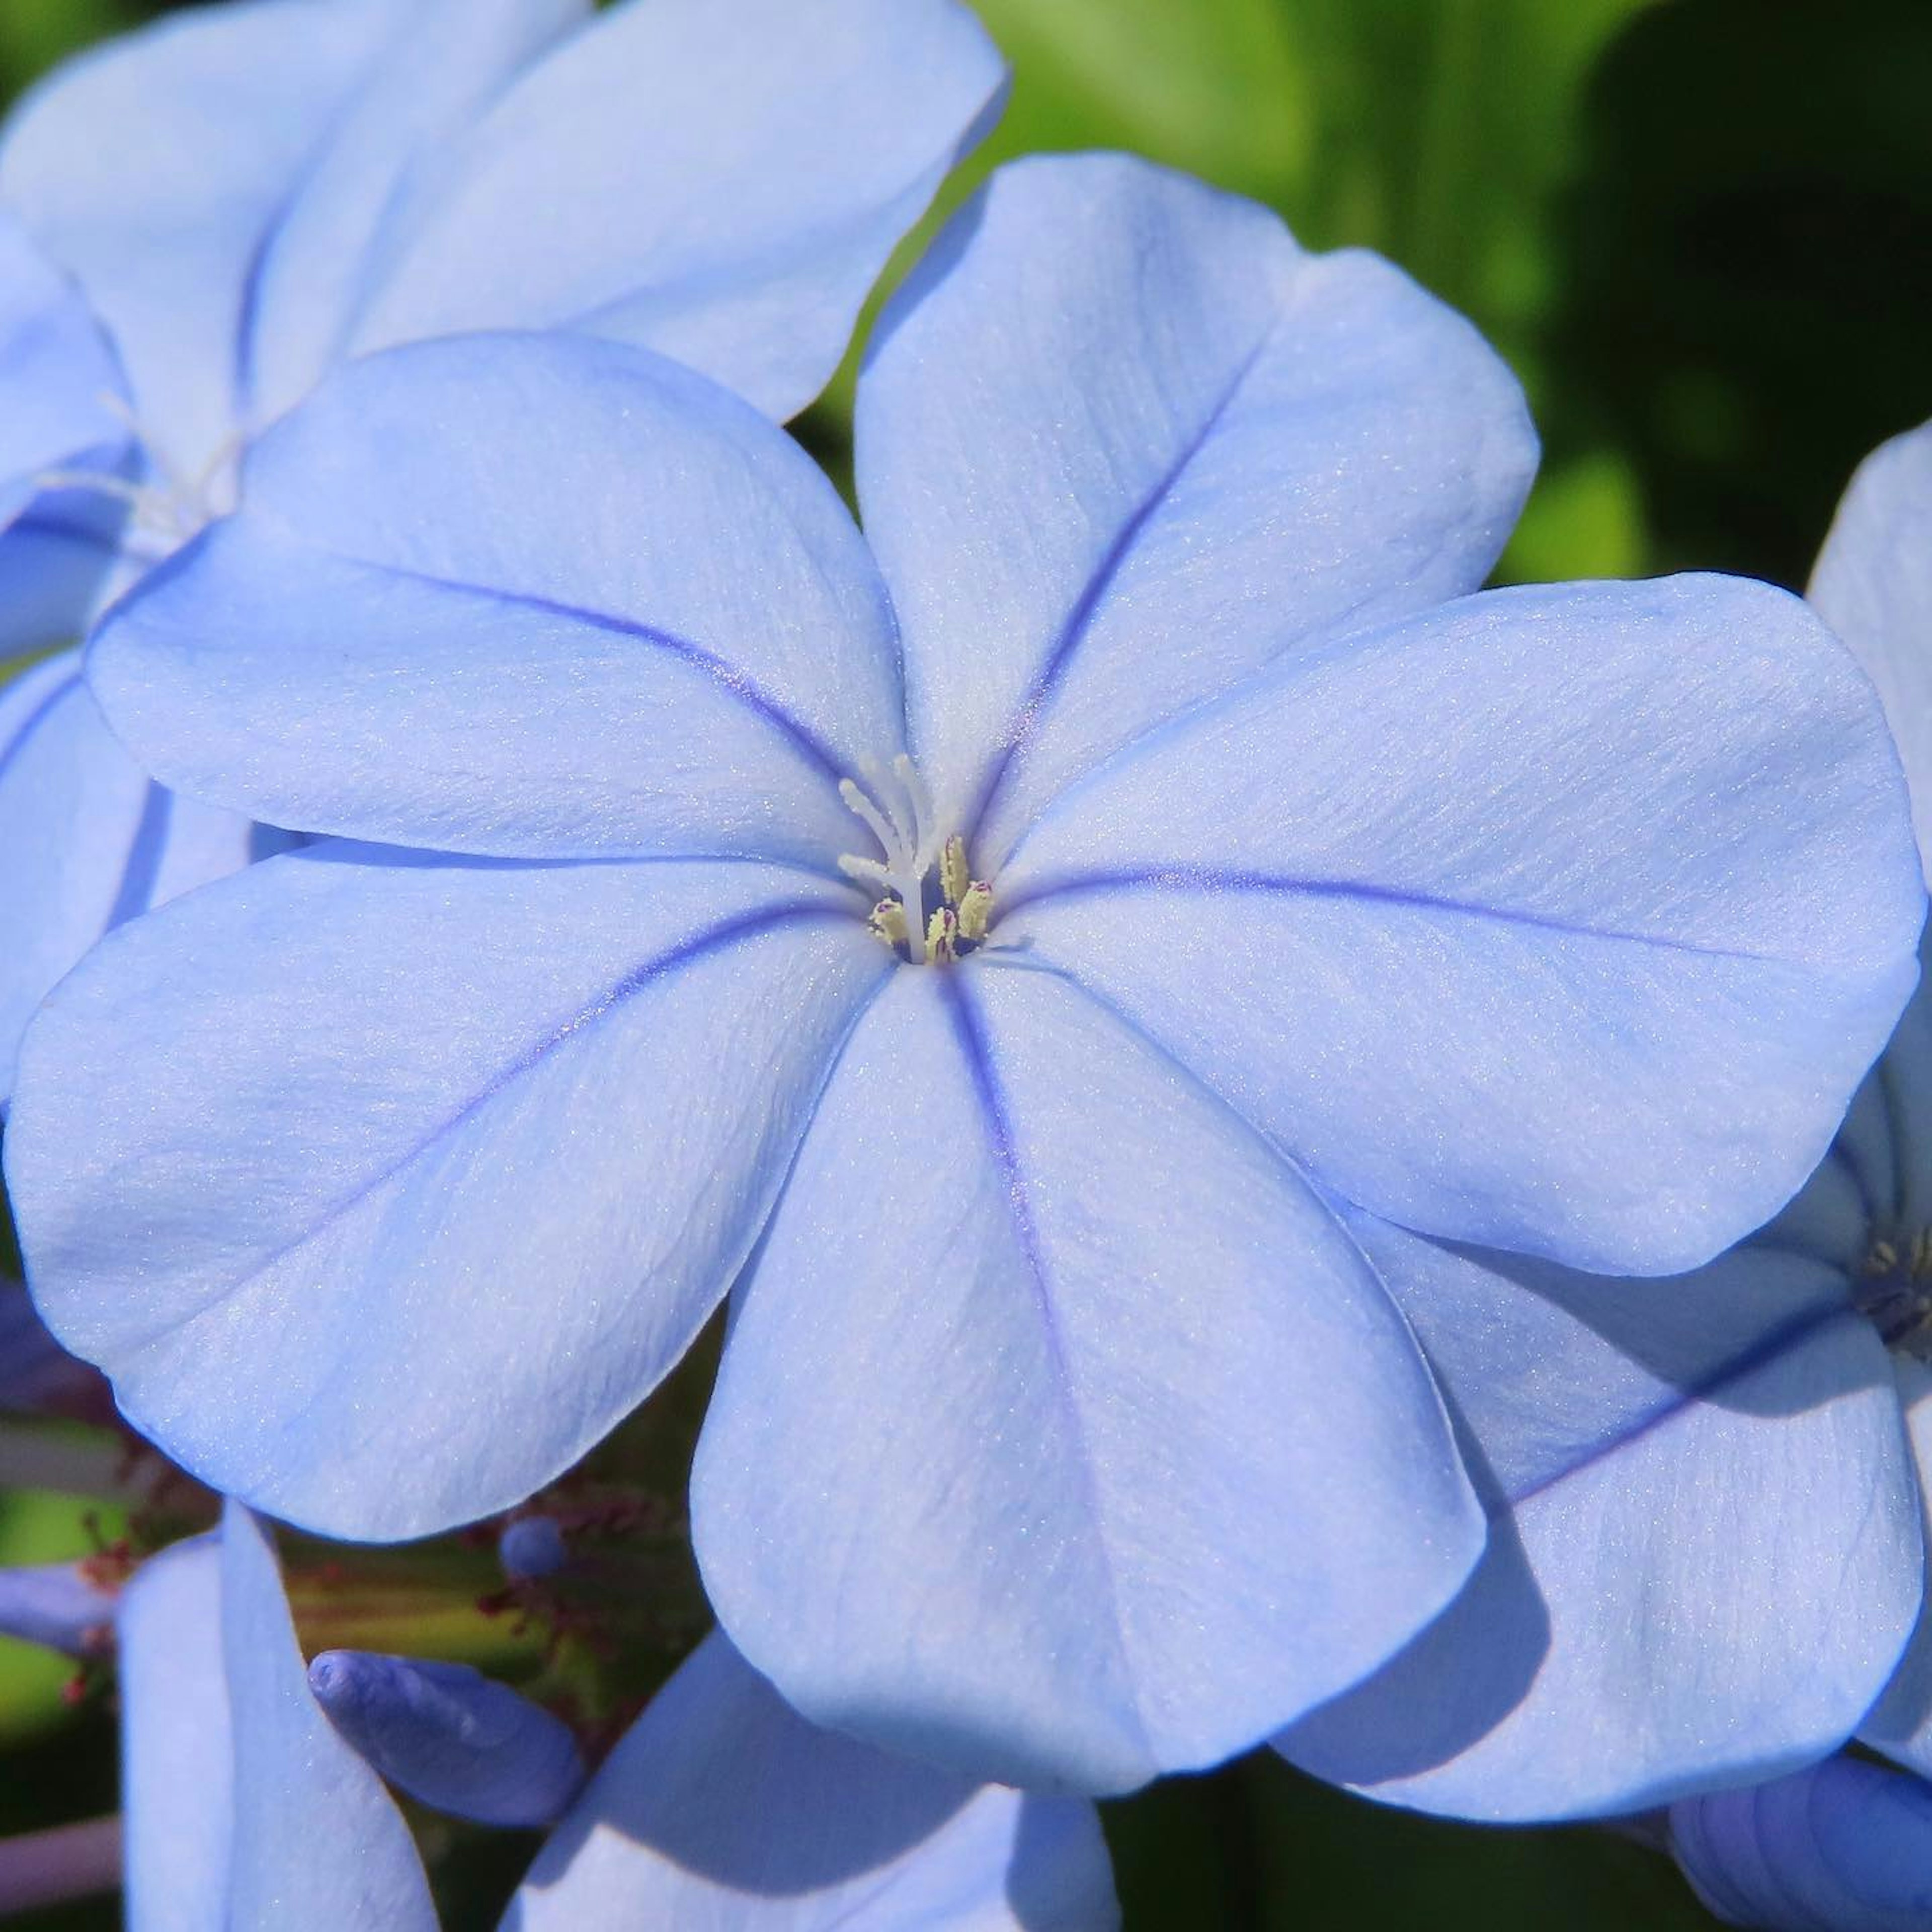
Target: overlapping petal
{"x":1561,"y":919}
{"x":721,"y":1808}
{"x":152,"y":167}
{"x":1872,"y":584}
{"x":472,"y":583}
{"x":58,"y":372}
{"x":91,"y":842}
{"x":440,"y":1179}
{"x":1900,"y":1724}
{"x":443,"y":64}
{"x":1101,"y":497}
{"x":244,"y":1807}
{"x":1045,"y":1452}
{"x":1843,"y":1846}
{"x":720,"y":183}
{"x":1705,"y":1554}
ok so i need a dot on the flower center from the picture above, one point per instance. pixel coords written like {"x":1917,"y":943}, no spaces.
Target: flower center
{"x":920,"y":860}
{"x":170,"y":506}
{"x":1894,"y":1289}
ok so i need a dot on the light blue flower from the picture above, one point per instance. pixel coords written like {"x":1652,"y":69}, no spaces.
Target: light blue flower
{"x":720,"y":1807}
{"x":1843,"y":1846}
{"x":244,"y":1808}
{"x":1708,"y":1492}
{"x":198,"y":221}
{"x":1066,"y":1430}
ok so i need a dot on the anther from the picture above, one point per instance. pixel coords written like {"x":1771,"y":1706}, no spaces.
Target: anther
{"x":888,"y":922}
{"x":975,"y":909}
{"x":942,"y":936}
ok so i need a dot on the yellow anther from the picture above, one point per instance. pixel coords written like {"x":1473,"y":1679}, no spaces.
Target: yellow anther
{"x":1882,"y":1259}
{"x":955,"y":877}
{"x":888,"y":922}
{"x":976,"y":908}
{"x":942,"y":936}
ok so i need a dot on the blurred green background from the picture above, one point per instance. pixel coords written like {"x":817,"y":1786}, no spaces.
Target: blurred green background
{"x":1701,"y":232}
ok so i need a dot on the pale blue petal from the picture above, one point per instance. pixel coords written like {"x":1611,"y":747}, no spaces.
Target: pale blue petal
{"x":1120,"y":442}
{"x":55,"y":1605}
{"x":1900,"y":1724}
{"x":721,"y":1810}
{"x":450,"y":1736}
{"x":1844,"y":1847}
{"x":1041,"y":1454}
{"x":152,"y":167}
{"x":718,"y":180}
{"x":473,"y":581}
{"x":86,"y":840}
{"x":57,"y":373}
{"x":1904,"y":1079}
{"x":1872,"y":584}
{"x":445,"y":65}
{"x":61,"y":564}
{"x":317,"y":1842}
{"x":434,"y":1168}
{"x":1706,"y":1555}
{"x":177,"y":1751}
{"x":1563,"y":920}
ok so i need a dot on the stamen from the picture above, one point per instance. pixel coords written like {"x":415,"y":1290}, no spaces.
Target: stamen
{"x":888,"y":922}
{"x":976,"y":908}
{"x":942,"y":936}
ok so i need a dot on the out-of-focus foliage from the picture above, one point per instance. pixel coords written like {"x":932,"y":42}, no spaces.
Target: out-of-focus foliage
{"x":1701,"y":231}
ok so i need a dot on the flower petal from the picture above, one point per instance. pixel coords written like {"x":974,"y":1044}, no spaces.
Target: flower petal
{"x":1900,"y":1724}
{"x":433,"y":1168}
{"x":150,"y":168}
{"x":610,"y":542}
{"x":1872,"y":584}
{"x":1063,"y":1436}
{"x":1120,"y":442}
{"x":243,"y":1807}
{"x":1562,"y":920}
{"x":60,"y":565}
{"x":89,"y":841}
{"x":444,"y":63}
{"x":177,"y":1741}
{"x":721,"y":1806}
{"x":55,"y":368}
{"x":736,"y":222}
{"x":1704,"y":1555}
{"x":317,"y":1840}
{"x":1843,"y":1846}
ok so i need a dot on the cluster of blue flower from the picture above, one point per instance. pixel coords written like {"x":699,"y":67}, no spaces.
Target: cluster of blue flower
{"x":1210,"y":1056}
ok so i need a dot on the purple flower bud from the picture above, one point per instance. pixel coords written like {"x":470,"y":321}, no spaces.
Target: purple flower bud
{"x":450,"y":1736}
{"x":531,"y":1547}
{"x":54,"y":1604}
